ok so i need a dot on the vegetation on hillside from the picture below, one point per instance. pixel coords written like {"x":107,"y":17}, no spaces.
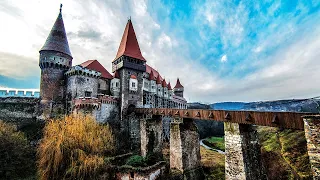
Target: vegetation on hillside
{"x":212,"y":164}
{"x":74,"y":148}
{"x":284,"y":153}
{"x":215,"y":142}
{"x":17,"y":157}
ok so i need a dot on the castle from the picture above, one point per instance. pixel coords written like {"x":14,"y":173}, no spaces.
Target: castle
{"x":89,"y":87}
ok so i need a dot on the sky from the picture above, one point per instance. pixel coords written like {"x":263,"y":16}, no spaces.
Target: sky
{"x":222,"y":50}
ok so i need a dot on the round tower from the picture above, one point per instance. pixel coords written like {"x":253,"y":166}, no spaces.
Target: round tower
{"x":55,"y":58}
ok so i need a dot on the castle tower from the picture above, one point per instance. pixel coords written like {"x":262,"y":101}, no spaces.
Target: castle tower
{"x":178,"y":89}
{"x":130,"y":65}
{"x":55,"y":58}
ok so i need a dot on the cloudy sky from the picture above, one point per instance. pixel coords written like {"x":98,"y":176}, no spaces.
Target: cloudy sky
{"x":222,"y":50}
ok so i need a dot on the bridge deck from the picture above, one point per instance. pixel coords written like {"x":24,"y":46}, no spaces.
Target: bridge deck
{"x":288,"y":120}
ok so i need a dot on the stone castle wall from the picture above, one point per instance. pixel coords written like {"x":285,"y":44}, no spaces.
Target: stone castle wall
{"x":19,"y":110}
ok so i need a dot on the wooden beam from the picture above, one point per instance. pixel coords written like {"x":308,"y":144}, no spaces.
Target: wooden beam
{"x":288,"y":120}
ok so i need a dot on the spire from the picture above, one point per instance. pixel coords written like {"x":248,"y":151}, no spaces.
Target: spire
{"x":169,"y":86}
{"x":151,"y":76}
{"x":164,"y":83}
{"x":129,"y":45}
{"x":178,"y":84}
{"x":158,"y":80}
{"x":57,"y":39}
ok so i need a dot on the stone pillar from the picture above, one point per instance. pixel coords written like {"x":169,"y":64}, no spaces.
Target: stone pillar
{"x":243,"y":155}
{"x":185,"y":148}
{"x":312,"y":133}
{"x":151,"y":135}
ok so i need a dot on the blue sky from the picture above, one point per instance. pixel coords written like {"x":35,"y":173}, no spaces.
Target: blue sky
{"x":221,"y":50}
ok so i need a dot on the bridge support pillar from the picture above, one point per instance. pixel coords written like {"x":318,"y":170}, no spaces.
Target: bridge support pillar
{"x":312,"y":134}
{"x":151,"y":135}
{"x":185,"y":148}
{"x":243,"y":156}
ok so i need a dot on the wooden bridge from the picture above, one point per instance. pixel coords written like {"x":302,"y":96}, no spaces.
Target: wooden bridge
{"x":287,"y":120}
{"x":242,"y":155}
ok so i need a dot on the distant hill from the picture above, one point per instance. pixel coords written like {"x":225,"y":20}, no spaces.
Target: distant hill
{"x":292,"y":105}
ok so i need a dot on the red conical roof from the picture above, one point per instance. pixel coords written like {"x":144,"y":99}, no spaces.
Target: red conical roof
{"x":169,"y":86}
{"x":151,"y":76}
{"x":57,"y":39}
{"x":178,"y":85}
{"x":158,"y":80}
{"x":116,"y":75}
{"x":96,"y":66}
{"x":129,"y":45}
{"x":164,"y":83}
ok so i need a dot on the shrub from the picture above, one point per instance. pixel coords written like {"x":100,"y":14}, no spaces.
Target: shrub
{"x":136,"y":161}
{"x":16,"y":154}
{"x":74,"y":148}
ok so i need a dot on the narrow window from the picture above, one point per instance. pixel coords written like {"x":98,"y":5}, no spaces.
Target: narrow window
{"x":87,"y":94}
{"x":133,"y":84}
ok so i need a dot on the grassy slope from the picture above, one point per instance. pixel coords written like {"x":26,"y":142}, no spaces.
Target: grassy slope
{"x":212,"y":163}
{"x":284,"y":153}
{"x":215,"y":142}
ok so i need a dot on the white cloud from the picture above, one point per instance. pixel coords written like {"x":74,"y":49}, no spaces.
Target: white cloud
{"x":224,"y":58}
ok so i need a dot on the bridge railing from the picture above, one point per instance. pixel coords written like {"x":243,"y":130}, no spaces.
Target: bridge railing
{"x":288,"y":120}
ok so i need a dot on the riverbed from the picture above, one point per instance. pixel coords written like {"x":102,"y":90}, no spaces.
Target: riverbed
{"x":207,"y":147}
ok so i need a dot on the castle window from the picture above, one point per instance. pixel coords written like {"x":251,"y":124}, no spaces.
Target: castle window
{"x":129,"y":72}
{"x":116,"y":84}
{"x":133,"y":84}
{"x":98,"y":86}
{"x":87,"y":94}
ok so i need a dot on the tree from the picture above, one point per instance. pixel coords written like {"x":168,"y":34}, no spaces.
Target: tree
{"x":74,"y":147}
{"x":17,"y":156}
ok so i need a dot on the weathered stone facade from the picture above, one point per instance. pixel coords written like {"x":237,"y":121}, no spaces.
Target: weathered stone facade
{"x":151,"y":135}
{"x":18,"y":110}
{"x":185,"y":149}
{"x":312,"y":133}
{"x":242,"y":151}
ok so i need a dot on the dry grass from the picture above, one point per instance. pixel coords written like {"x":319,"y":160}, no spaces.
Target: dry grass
{"x":74,"y":147}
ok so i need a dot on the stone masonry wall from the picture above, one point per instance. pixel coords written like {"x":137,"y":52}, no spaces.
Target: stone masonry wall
{"x":242,"y":158}
{"x":151,"y":135}
{"x":19,"y":110}
{"x":312,"y":134}
{"x":78,"y":84}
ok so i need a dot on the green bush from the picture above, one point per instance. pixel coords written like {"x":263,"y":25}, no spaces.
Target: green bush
{"x":17,"y":157}
{"x":136,"y":161}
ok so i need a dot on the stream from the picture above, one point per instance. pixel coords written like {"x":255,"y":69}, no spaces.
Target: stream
{"x":207,"y":147}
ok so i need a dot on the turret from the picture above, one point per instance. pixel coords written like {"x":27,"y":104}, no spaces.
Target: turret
{"x":55,"y":59}
{"x":165,"y":88}
{"x":170,"y":91}
{"x":178,"y":89}
{"x":115,"y":84}
{"x":152,"y":79}
{"x":159,"y":87}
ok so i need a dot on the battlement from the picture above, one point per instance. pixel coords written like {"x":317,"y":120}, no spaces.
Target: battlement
{"x":10,"y":92}
{"x":79,"y":70}
{"x":105,"y":99}
{"x":82,"y":102}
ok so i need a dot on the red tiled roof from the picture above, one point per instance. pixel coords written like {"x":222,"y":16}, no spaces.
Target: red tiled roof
{"x":133,"y":77}
{"x":129,"y":45}
{"x":164,"y":83}
{"x":178,"y":84}
{"x":149,"y":69}
{"x":169,"y":86}
{"x":116,"y":75}
{"x":96,"y":66}
{"x":158,"y":80}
